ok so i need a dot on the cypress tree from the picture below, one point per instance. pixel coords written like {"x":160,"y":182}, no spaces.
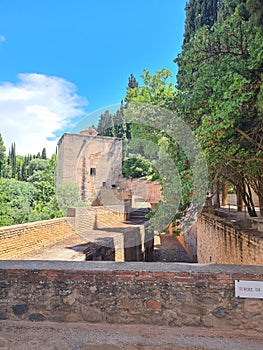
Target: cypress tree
{"x":12,"y":160}
{"x":132,"y":83}
{"x":228,"y":7}
{"x":2,"y":154}
{"x":198,"y":14}
{"x":44,"y":154}
{"x":255,"y":8}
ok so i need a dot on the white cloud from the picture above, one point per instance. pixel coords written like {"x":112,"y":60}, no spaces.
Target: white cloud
{"x":38,"y":107}
{"x":2,"y":38}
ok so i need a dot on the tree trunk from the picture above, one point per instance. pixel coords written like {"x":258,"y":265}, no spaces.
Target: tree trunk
{"x":216,"y":195}
{"x":248,"y":199}
{"x":224,"y":194}
{"x":240,"y":202}
{"x":260,"y":201}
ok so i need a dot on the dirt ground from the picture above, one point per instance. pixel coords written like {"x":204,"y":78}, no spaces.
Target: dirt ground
{"x":83,"y":336}
{"x":167,"y":248}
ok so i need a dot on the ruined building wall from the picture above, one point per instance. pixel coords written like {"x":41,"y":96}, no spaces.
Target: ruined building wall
{"x":221,"y":242}
{"x":91,"y":162}
{"x":98,"y":226}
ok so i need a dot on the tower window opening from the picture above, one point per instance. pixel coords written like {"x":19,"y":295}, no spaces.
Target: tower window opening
{"x":92,"y":171}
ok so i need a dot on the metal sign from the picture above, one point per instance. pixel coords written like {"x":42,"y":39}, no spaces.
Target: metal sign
{"x":249,"y":289}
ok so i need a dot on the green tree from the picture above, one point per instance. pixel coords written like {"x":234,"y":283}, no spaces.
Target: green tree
{"x":106,"y":124}
{"x":132,"y":83}
{"x":136,"y":166}
{"x":113,"y":125}
{"x":255,"y":8}
{"x":2,"y":155}
{"x":220,"y":83}
{"x":68,"y":196}
{"x":43,"y":178}
{"x":16,"y":201}
{"x":12,"y":161}
{"x":199,"y":13}
{"x":157,"y":89}
{"x":37,"y":164}
{"x":44,"y":153}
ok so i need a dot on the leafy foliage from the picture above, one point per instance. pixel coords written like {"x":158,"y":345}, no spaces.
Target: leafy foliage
{"x":136,"y":166}
{"x":113,"y":125}
{"x":220,"y":84}
{"x":68,"y":196}
{"x":2,"y":155}
{"x":199,"y":13}
{"x":157,"y":89}
{"x":27,"y":187}
{"x":17,"y":200}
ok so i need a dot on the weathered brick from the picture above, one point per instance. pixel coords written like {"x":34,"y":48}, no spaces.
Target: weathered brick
{"x":182,"y":279}
{"x":154,"y":304}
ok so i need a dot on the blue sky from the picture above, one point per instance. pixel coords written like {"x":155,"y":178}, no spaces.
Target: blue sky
{"x":61,"y":60}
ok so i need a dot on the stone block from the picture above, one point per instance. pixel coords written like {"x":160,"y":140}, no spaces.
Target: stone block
{"x":76,"y":317}
{"x":91,"y":314}
{"x":207,"y":321}
{"x":253,"y":306}
{"x":193,"y":310}
{"x":192,"y":321}
{"x":220,"y":312}
{"x":20,"y":309}
{"x":3,"y":315}
{"x":36,"y":317}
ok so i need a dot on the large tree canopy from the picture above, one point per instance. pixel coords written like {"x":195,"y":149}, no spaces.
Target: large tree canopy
{"x":220,"y":89}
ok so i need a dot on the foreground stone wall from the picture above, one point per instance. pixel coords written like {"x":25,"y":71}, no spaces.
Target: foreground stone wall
{"x":19,"y":240}
{"x":220,"y":241}
{"x":129,"y":293}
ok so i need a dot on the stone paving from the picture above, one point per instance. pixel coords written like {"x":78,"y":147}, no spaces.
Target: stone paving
{"x":169,"y":249}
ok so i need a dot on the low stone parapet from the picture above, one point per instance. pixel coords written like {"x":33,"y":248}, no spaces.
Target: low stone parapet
{"x":257,"y":223}
{"x":220,"y":241}
{"x":19,"y":240}
{"x":129,"y":293}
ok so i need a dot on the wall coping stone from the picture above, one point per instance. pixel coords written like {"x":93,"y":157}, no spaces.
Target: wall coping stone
{"x":130,"y":266}
{"x":33,"y":223}
{"x":251,"y":232}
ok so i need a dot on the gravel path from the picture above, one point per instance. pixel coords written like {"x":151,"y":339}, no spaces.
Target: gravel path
{"x":82,"y":336}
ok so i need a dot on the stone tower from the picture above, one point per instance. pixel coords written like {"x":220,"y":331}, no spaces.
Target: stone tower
{"x":92,"y":162}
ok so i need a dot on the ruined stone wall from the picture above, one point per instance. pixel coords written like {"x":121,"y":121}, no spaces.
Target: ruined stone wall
{"x":19,"y":240}
{"x":102,"y":227}
{"x":91,"y":162}
{"x":129,"y":293}
{"x":221,"y":242}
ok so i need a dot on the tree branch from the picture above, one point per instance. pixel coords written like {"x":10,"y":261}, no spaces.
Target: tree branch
{"x":248,"y":138}
{"x":254,"y":159}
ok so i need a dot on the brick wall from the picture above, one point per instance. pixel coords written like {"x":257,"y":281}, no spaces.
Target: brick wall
{"x":85,"y":219}
{"x":129,"y":293}
{"x":19,"y":240}
{"x":221,"y":242}
{"x":101,"y":226}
